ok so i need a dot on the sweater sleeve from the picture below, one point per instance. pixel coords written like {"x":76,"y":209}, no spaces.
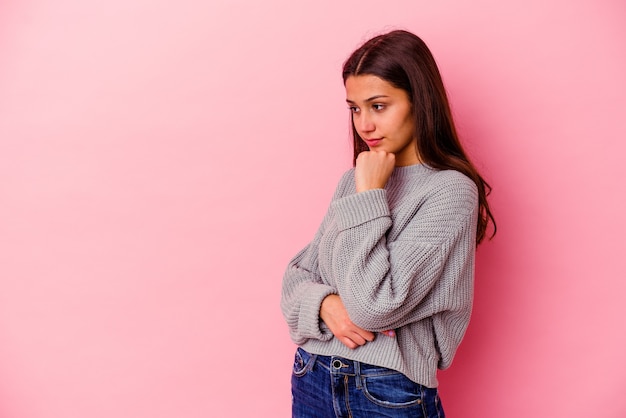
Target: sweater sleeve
{"x":303,"y":288}
{"x":427,"y":269}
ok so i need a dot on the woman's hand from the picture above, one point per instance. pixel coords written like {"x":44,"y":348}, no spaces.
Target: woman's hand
{"x":335,"y":316}
{"x":373,"y":169}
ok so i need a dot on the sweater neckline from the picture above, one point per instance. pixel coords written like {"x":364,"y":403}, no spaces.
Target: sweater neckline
{"x":408,"y":170}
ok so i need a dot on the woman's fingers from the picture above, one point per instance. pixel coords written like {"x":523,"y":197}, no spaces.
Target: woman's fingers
{"x":348,"y":342}
{"x":389,"y":333}
{"x":334,"y":314}
{"x":360,"y":339}
{"x":354,"y":340}
{"x":373,"y":169}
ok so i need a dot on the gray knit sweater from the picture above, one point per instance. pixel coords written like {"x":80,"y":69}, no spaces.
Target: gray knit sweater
{"x":400,"y":258}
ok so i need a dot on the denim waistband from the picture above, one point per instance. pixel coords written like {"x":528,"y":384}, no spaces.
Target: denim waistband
{"x":344,"y":366}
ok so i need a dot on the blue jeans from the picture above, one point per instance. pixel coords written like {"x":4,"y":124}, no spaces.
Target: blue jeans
{"x":334,"y":387}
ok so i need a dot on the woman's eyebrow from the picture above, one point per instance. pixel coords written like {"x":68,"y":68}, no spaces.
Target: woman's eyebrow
{"x":379,"y":96}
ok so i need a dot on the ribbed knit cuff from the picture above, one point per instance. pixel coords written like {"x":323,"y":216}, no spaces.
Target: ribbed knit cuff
{"x":310,"y":311}
{"x":359,"y":208}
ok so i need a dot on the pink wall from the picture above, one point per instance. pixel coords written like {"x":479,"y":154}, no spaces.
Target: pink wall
{"x":161,"y":161}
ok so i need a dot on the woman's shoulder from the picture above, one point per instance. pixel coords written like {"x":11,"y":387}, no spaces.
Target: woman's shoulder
{"x":346,"y":184}
{"x":424,"y":176}
{"x":453,"y":178}
{"x":347,"y":175}
{"x":454,"y":186}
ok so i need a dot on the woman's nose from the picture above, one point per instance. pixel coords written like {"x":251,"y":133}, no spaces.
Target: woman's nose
{"x":364,"y":123}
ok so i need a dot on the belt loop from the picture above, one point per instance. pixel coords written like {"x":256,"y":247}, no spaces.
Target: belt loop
{"x":357,"y":374}
{"x":312,"y":362}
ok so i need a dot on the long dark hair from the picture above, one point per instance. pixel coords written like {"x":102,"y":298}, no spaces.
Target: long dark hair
{"x":403,"y":60}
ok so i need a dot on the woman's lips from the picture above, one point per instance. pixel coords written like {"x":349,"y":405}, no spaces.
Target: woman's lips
{"x":373,"y":142}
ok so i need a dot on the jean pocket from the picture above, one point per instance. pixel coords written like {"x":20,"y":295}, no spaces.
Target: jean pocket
{"x":302,"y":362}
{"x":392,"y":390}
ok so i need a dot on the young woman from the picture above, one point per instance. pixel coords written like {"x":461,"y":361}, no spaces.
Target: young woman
{"x":381,"y":298}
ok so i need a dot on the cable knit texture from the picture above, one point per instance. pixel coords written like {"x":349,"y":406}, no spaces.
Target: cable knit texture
{"x":400,"y":258}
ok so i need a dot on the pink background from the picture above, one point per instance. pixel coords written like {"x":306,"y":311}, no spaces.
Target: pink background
{"x":160,"y":162}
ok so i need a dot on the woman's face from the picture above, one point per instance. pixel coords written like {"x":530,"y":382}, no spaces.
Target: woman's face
{"x":381,"y":114}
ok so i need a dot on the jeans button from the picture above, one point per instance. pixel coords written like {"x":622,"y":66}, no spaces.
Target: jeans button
{"x":337,"y":364}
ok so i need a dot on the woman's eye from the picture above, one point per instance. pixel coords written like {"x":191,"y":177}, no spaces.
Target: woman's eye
{"x":353,"y":109}
{"x":378,"y":106}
